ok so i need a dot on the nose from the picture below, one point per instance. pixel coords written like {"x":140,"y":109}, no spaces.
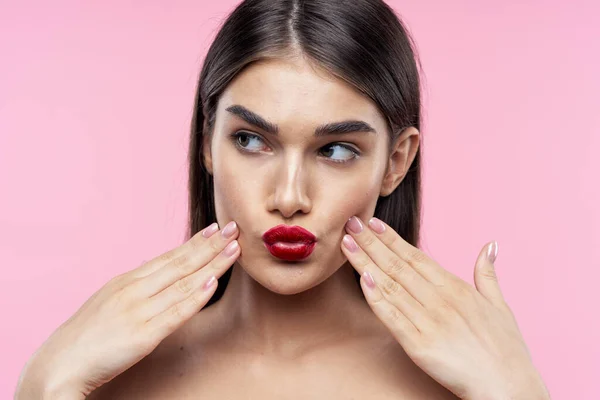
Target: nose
{"x":289,"y":190}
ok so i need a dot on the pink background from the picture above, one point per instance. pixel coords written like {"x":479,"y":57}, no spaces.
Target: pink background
{"x":95,"y":104}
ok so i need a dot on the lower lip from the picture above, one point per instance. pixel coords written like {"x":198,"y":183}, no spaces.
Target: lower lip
{"x":291,"y":251}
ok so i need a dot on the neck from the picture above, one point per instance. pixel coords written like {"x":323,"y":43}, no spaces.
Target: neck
{"x":268,"y":322}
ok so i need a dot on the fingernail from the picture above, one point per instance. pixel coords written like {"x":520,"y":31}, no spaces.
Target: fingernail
{"x":492,"y":252}
{"x":231,"y":248}
{"x":354,"y":225}
{"x":210,"y":230}
{"x":376,"y":225}
{"x":229,"y":230}
{"x":350,"y":243}
{"x":210,"y":282}
{"x":369,"y":279}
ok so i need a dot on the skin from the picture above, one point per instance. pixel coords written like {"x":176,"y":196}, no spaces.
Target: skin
{"x":288,"y":330}
{"x":292,"y":180}
{"x":465,"y":337}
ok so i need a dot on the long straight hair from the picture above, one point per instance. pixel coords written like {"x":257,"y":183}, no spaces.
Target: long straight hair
{"x":362,"y":42}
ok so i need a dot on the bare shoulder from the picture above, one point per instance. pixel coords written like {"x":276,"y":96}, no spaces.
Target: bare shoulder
{"x":196,"y":359}
{"x":152,"y":374}
{"x":167,"y":370}
{"x":394,"y":374}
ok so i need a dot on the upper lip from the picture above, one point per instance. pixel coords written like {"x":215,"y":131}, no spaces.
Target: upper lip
{"x":286,"y":233}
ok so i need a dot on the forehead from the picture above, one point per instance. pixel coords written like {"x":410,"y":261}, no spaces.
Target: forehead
{"x":294,"y":91}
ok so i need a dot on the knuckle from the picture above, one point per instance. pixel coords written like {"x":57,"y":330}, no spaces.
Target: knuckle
{"x":391,"y":287}
{"x":396,"y":266}
{"x":369,"y":240}
{"x":393,"y":243}
{"x":489,"y":273}
{"x":215,"y":247}
{"x":166,"y":257}
{"x":416,"y":257}
{"x":180,"y":264}
{"x":117,"y":300}
{"x":395,"y":315}
{"x":184,"y":285}
{"x":177,"y":311}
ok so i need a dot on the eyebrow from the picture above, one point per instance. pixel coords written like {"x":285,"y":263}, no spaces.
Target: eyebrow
{"x":331,"y":128}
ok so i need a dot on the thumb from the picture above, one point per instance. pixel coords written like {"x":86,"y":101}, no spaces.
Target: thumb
{"x":486,"y":280}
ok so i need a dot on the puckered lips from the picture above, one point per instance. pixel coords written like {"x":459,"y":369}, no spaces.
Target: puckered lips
{"x":290,"y":243}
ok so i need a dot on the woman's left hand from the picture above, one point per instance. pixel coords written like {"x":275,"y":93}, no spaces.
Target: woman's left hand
{"x":464,"y":337}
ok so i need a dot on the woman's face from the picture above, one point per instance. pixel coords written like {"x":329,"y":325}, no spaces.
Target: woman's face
{"x":293,"y":177}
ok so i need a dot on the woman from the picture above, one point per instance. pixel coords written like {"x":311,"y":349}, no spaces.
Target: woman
{"x":306,"y":125}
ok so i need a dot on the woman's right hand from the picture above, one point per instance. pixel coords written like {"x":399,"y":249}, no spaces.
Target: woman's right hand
{"x":132,"y":313}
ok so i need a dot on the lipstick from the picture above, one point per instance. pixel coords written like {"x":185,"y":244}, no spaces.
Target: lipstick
{"x":290,"y":243}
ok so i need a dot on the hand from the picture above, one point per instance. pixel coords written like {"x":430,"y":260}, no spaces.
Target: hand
{"x":465,"y":338}
{"x":131,"y":314}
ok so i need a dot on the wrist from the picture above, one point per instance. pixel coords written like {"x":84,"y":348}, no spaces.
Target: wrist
{"x":35,"y":384}
{"x":531,"y":389}
{"x":62,"y":393}
{"x":30,"y":389}
{"x":57,"y":387}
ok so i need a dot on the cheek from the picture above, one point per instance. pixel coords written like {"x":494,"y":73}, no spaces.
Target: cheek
{"x":355,"y":199}
{"x":235,"y":188}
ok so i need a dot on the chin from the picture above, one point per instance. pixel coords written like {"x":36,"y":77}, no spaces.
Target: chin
{"x":288,"y":277}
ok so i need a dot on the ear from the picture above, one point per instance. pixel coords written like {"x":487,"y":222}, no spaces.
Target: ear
{"x":206,"y":150}
{"x":404,"y":151}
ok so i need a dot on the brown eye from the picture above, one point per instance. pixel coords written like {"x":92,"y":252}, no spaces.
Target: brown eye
{"x":243,"y":140}
{"x":248,"y":142}
{"x":328,"y":152}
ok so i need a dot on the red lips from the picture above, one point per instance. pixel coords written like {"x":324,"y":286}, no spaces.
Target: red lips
{"x":290,"y":243}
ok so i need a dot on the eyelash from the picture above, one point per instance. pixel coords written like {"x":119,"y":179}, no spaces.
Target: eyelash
{"x":234,"y":137}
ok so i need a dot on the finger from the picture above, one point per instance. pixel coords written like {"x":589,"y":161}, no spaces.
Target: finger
{"x":401,"y":327}
{"x":198,"y":253}
{"x":175,"y":316}
{"x":486,"y":280}
{"x":393,"y":265}
{"x":191,"y":285}
{"x":393,"y":291}
{"x":160,"y":261}
{"x":420,"y":262}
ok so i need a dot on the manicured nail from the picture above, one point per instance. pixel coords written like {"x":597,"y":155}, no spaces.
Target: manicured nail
{"x":492,"y":252}
{"x":369,"y":279}
{"x":210,"y":283}
{"x":210,"y":230}
{"x":350,"y":243}
{"x":354,"y":225}
{"x":376,"y":225}
{"x":231,"y":248}
{"x":229,"y":230}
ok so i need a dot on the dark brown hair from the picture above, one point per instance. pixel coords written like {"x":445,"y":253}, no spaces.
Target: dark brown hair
{"x":360,"y":41}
